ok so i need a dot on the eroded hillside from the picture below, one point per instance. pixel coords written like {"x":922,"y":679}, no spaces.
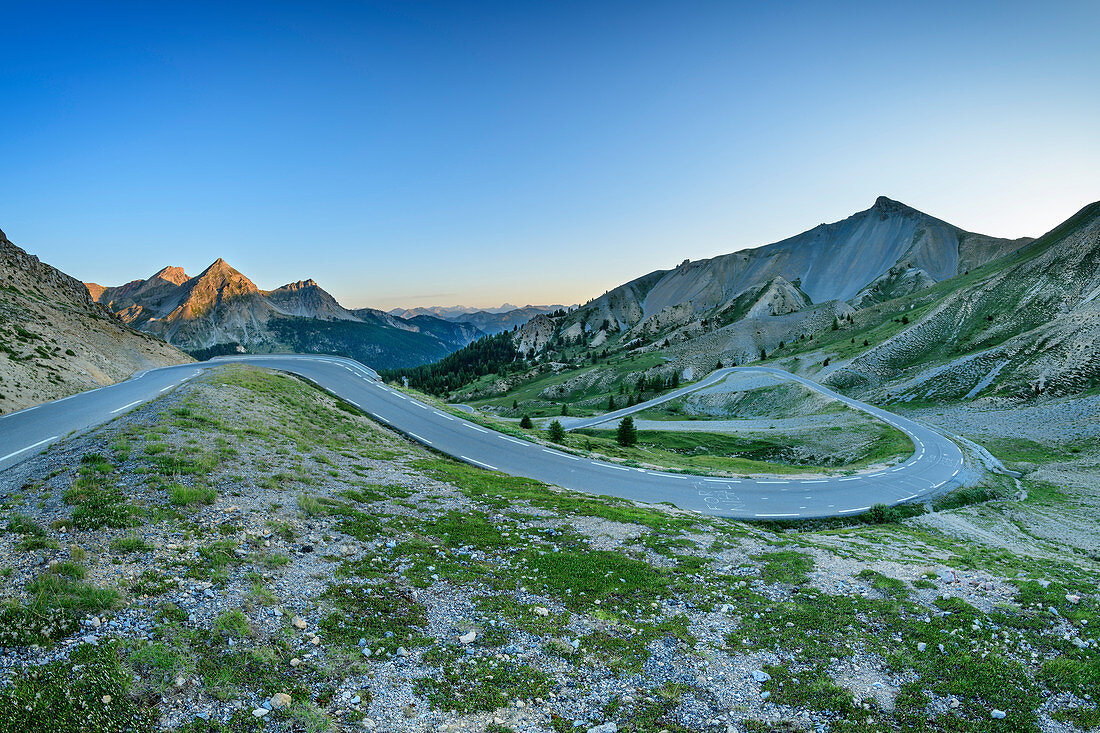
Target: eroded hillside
{"x":55,"y":341}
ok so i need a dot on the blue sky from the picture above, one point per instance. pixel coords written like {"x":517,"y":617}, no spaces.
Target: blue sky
{"x":418,"y":153}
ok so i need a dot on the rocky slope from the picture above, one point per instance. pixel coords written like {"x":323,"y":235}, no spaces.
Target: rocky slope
{"x":889,"y":246}
{"x":55,"y":341}
{"x":221,"y":308}
{"x":1027,"y":325}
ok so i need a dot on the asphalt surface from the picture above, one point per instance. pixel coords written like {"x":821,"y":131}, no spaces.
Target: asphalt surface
{"x":933,"y":467}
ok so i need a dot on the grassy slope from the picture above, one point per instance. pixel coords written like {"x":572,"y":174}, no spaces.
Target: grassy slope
{"x":683,"y":587}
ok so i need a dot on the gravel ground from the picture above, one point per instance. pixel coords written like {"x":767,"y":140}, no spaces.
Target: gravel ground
{"x":704,"y":636}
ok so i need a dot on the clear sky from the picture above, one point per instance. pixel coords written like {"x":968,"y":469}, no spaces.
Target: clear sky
{"x":412,"y":153}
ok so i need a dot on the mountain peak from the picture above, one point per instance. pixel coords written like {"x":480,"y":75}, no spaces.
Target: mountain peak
{"x":174,"y":275}
{"x":885,"y":205}
{"x":300,"y":285}
{"x":221,"y":274}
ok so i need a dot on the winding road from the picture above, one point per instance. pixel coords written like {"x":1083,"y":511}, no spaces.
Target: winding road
{"x":934,"y":466}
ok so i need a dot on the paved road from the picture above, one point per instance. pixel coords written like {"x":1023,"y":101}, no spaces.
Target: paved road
{"x":934,"y":466}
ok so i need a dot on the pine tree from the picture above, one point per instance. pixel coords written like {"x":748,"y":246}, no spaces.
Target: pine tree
{"x":763,"y":354}
{"x":557,"y":432}
{"x":611,"y":404}
{"x":564,"y":409}
{"x":526,"y":423}
{"x":515,"y":404}
{"x":627,"y":434}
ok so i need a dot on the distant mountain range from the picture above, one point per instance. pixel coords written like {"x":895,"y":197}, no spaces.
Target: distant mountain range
{"x":220,"y":310}
{"x":488,"y":320}
{"x":55,"y":341}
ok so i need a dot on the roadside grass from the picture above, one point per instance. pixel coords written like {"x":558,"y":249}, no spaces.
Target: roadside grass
{"x":746,"y":455}
{"x":500,"y":491}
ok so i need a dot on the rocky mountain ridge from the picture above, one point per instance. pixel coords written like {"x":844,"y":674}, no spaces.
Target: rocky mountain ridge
{"x":221,"y":308}
{"x":488,"y":320}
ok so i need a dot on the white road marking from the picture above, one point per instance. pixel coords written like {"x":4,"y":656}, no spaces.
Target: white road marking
{"x":614,"y":468}
{"x":356,"y":404}
{"x":876,"y":475}
{"x":815,"y":481}
{"x":858,"y":509}
{"x":513,"y":440}
{"x":471,"y":426}
{"x":124,"y":407}
{"x":955,"y":474}
{"x":29,"y":447}
{"x":445,"y":416}
{"x":899,"y":468}
{"x":773,"y":482}
{"x":479,"y":463}
{"x":914,"y":496}
{"x":717,"y":480}
{"x":850,"y":478}
{"x":421,"y":439}
{"x":559,"y":454}
{"x":170,"y":386}
{"x":778,"y":515}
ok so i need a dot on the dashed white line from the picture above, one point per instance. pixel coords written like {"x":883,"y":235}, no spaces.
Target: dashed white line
{"x":773,"y":482}
{"x":613,"y":468}
{"x":124,"y":407}
{"x":876,"y":475}
{"x":29,"y":447}
{"x":471,"y":426}
{"x":955,"y":474}
{"x":479,"y":463}
{"x":513,"y":440}
{"x":559,"y":454}
{"x":850,"y":478}
{"x":778,"y":515}
{"x":914,"y":496}
{"x":421,"y":439}
{"x":815,"y":481}
{"x":857,"y":509}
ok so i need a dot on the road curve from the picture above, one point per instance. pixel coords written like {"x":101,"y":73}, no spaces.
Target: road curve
{"x":935,"y":464}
